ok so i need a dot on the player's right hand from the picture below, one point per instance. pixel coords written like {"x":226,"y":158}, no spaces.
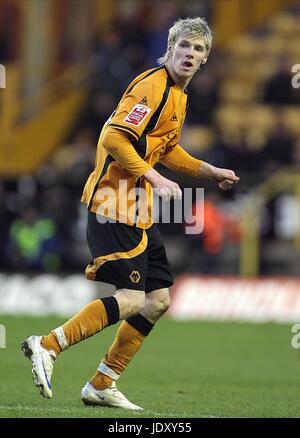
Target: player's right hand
{"x":164,"y":187}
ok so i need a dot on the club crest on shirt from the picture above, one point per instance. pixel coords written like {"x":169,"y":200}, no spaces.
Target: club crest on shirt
{"x":137,"y":114}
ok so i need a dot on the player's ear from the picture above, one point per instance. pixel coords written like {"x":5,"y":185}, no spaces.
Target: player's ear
{"x":204,"y":60}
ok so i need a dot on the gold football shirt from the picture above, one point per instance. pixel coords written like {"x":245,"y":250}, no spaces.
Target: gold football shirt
{"x":151,"y":111}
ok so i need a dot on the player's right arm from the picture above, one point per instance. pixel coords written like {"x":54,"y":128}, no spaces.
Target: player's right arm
{"x":164,"y":187}
{"x":118,"y":145}
{"x":133,"y":114}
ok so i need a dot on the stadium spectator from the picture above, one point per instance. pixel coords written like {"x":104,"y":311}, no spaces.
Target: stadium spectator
{"x":278,"y":88}
{"x":204,"y":99}
{"x":9,"y":31}
{"x":76,"y":160}
{"x":111,"y":69}
{"x":156,"y":28}
{"x":234,"y":148}
{"x":220,"y":229}
{"x":279,"y":148}
{"x":99,"y":108}
{"x":4,"y":225}
{"x":34,"y":243}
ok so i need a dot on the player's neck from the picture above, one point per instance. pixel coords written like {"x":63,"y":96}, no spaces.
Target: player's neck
{"x":180,"y":81}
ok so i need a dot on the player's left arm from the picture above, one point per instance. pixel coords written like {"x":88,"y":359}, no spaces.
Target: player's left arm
{"x":177,"y":159}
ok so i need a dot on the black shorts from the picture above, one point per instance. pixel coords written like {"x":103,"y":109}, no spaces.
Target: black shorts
{"x":127,"y":256}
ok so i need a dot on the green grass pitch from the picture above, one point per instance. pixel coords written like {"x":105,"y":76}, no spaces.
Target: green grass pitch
{"x":184,"y":369}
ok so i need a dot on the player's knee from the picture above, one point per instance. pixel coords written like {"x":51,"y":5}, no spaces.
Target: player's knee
{"x":131,"y":302}
{"x":158,"y":304}
{"x":162,"y":304}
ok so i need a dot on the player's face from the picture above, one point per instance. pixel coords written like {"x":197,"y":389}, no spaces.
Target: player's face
{"x":187,"y":56}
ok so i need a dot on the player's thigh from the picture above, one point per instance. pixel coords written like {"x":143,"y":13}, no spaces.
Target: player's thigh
{"x":159,"y":273}
{"x":131,"y":302}
{"x":119,"y":254}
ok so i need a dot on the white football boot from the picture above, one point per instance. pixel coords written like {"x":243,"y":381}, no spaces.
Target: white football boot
{"x":42,"y":364}
{"x":107,"y":397}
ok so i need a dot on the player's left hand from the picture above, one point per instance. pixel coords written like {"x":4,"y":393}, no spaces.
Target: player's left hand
{"x":225,"y":178}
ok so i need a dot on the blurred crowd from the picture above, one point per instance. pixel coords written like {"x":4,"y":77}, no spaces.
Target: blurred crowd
{"x":42,"y":223}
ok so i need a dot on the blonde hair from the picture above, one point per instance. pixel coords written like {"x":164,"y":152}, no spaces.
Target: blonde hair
{"x":189,"y":28}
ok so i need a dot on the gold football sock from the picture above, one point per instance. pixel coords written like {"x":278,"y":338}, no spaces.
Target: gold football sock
{"x":92,"y":318}
{"x":128,"y":340}
{"x":50,"y":343}
{"x":101,"y":381}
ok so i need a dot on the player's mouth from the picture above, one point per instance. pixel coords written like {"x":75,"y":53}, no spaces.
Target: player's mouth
{"x":187,"y":64}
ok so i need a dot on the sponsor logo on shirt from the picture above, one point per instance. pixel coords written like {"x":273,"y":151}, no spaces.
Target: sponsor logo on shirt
{"x":137,"y":114}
